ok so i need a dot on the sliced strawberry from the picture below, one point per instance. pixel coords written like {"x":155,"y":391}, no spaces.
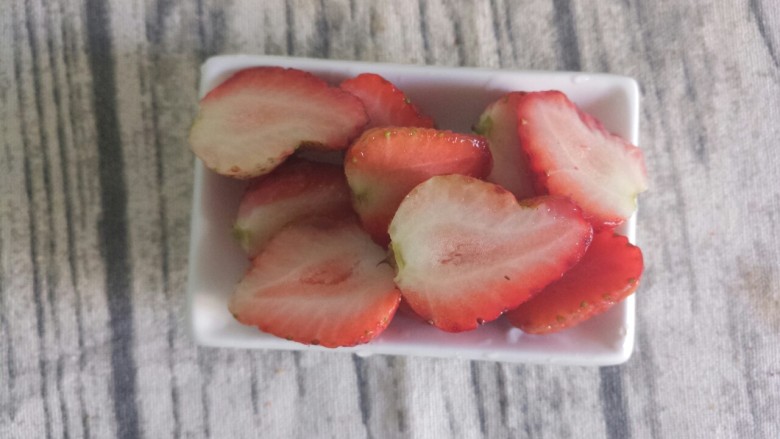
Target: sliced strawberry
{"x":385,"y":103}
{"x":322,"y":281}
{"x":404,"y":309}
{"x":295,"y":190}
{"x":498,"y":123}
{"x":467,"y":251}
{"x":572,"y":155}
{"x":608,"y":273}
{"x":384,"y":164}
{"x":251,"y":122}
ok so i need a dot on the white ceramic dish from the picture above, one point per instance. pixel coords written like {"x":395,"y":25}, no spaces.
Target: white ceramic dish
{"x":455,"y":97}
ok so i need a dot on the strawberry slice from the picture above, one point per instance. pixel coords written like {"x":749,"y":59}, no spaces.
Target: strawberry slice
{"x":404,"y":309}
{"x":293,"y":191}
{"x":608,"y":273}
{"x":251,"y":122}
{"x":385,"y":103}
{"x":384,"y":164}
{"x":498,"y":123}
{"x":467,"y":251}
{"x":322,"y":281}
{"x":572,"y":155}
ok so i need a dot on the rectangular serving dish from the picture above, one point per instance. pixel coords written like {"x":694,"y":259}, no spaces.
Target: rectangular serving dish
{"x":454,"y":97}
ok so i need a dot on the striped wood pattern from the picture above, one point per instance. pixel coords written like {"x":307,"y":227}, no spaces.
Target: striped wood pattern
{"x":95,"y":185}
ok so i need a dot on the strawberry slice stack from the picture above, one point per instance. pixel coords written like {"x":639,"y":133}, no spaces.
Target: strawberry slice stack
{"x":461,"y":228}
{"x":384,"y":164}
{"x":467,"y":250}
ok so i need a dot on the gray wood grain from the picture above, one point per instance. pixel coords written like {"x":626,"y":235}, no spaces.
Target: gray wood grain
{"x":95,"y":187}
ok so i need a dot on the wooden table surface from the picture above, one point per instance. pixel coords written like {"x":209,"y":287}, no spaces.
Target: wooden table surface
{"x":95,"y":194}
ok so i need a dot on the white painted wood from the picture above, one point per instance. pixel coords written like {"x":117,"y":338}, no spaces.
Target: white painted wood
{"x":95,"y":192}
